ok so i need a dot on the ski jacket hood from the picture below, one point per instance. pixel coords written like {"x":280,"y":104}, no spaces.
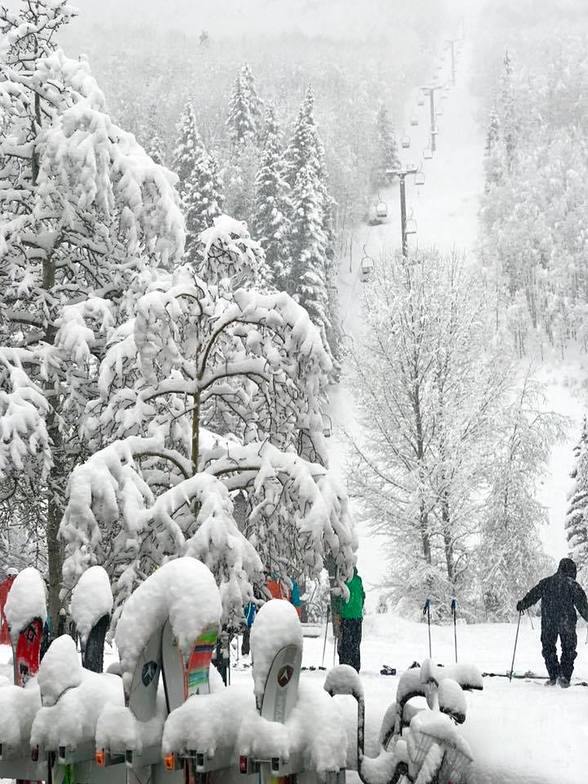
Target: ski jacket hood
{"x":567,"y":567}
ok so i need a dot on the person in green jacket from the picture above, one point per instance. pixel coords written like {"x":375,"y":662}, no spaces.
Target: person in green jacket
{"x":350,"y":613}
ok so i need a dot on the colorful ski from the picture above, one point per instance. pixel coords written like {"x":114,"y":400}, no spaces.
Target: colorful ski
{"x":27,"y":655}
{"x":27,"y":658}
{"x":185,"y":676}
{"x":197,"y":665}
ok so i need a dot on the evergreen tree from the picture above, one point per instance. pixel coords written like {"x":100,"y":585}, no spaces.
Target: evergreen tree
{"x":576,"y":524}
{"x":308,"y":246}
{"x":312,"y":238}
{"x":255,"y":102}
{"x":155,"y":149}
{"x":272,"y":205}
{"x":242,"y":122}
{"x":386,"y":160}
{"x":200,"y":183}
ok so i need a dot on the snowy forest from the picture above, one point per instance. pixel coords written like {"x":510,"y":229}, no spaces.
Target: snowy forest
{"x":187,"y":366}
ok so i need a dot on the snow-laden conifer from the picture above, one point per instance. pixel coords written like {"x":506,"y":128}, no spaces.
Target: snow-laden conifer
{"x":243,"y":121}
{"x":386,"y":150}
{"x":270,"y":222}
{"x":200,"y":183}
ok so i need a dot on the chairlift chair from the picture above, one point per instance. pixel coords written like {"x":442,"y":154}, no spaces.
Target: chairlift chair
{"x":439,"y":112}
{"x":414,"y":120}
{"x":381,"y":209}
{"x":405,"y":142}
{"x":367,"y":267}
{"x":427,"y":153}
{"x":411,"y":226}
{"x":421,"y":100}
{"x":411,"y":168}
{"x":419,"y":178}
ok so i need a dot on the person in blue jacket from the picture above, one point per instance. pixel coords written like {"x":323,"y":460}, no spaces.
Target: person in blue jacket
{"x":249,"y":611}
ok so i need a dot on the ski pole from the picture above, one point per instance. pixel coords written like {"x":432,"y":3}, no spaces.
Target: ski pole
{"x":454,"y":611}
{"x":427,"y":612}
{"x":515,"y":647}
{"x":326,"y":630}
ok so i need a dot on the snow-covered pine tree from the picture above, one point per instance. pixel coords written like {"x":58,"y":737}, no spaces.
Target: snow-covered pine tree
{"x":244,"y":108}
{"x":204,"y":393}
{"x":84,"y":211}
{"x":270,"y":224}
{"x":576,"y":523}
{"x":311,"y":223}
{"x":255,"y":102}
{"x":200,"y":183}
{"x":155,"y":149}
{"x":386,"y":150}
{"x":308,"y":248}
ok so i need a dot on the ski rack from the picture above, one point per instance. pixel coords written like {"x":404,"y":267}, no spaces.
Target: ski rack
{"x":401,"y":747}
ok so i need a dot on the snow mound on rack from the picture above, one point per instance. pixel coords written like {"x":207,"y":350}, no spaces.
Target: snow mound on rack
{"x":26,"y":601}
{"x":343,"y":679}
{"x":183,"y":590}
{"x":18,"y":708}
{"x":315,"y":729}
{"x":118,"y":730}
{"x":452,"y":700}
{"x":72,"y":698}
{"x":60,"y":669}
{"x":467,"y":675}
{"x":439,"y":727}
{"x":276,"y":625}
{"x":380,"y":769}
{"x":206,"y":722}
{"x":91,"y":599}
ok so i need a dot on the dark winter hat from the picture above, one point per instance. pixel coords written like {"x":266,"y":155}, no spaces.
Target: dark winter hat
{"x":567,"y":567}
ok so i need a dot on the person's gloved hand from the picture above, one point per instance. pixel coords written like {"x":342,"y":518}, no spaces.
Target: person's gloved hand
{"x":519,"y":607}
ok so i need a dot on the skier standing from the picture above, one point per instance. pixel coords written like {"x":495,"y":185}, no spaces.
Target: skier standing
{"x":560,"y":597}
{"x":351,"y":616}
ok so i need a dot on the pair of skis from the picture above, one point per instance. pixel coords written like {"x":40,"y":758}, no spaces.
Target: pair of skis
{"x":183,"y":676}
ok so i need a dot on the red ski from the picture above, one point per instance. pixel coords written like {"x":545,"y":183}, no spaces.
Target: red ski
{"x":27,"y":658}
{"x":27,"y":653}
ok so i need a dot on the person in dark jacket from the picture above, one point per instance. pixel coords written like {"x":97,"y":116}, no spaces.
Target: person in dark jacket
{"x":560,"y":597}
{"x":350,"y":613}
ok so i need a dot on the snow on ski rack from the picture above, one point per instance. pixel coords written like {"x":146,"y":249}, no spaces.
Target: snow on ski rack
{"x":91,"y":599}
{"x":159,"y":715}
{"x":421,"y":744}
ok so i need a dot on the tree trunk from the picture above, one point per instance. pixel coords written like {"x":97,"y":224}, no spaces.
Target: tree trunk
{"x":447,"y":540}
{"x":196,"y":432}
{"x":55,"y":492}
